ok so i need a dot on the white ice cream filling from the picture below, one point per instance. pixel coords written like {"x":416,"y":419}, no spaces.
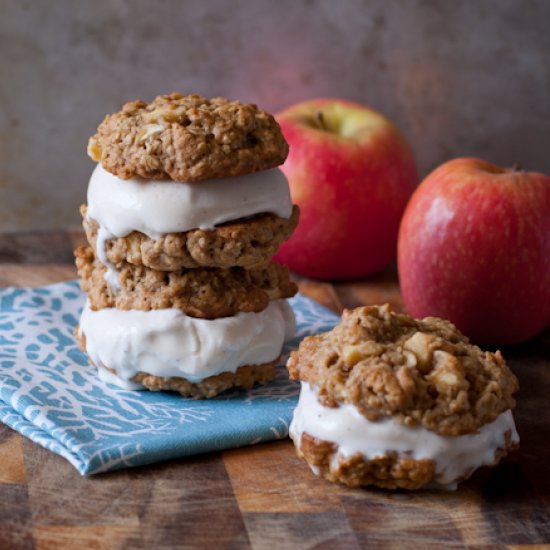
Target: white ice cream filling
{"x":168,"y":343}
{"x":456,"y":457}
{"x":158,"y":207}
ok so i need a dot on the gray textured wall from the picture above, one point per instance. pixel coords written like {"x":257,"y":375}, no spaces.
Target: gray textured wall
{"x":459,"y":77}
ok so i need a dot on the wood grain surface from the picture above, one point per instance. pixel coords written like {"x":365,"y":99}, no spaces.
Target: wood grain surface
{"x":263,"y":497}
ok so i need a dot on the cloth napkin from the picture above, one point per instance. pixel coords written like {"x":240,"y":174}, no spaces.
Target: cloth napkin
{"x":52,"y":395}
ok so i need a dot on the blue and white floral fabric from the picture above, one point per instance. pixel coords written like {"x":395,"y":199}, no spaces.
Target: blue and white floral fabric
{"x":50,"y":393}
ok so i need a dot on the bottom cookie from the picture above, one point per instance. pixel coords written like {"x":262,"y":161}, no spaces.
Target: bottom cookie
{"x":389,"y":471}
{"x":243,"y":378}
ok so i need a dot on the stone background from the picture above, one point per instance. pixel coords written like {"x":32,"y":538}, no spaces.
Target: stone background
{"x":460,"y":78}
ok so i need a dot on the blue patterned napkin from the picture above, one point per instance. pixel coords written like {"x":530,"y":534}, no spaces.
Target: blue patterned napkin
{"x":50,"y":393}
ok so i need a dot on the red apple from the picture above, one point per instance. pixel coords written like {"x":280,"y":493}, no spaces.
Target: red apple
{"x":351,"y":173}
{"x":474,"y":247}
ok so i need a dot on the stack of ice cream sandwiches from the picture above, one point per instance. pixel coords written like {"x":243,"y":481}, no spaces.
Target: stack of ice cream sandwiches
{"x":185,"y":211}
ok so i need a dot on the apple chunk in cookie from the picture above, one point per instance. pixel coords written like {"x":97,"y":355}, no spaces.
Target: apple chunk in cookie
{"x":396,"y":402}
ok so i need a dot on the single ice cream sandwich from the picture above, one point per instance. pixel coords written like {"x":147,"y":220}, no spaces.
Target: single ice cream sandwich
{"x":186,"y":182}
{"x":395,"y":402}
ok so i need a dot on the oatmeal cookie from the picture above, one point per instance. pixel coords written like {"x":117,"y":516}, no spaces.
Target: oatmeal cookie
{"x":248,"y":243}
{"x":207,"y":293}
{"x":420,"y":372}
{"x":388,"y":471}
{"x":188,"y":138}
{"x":243,"y":378}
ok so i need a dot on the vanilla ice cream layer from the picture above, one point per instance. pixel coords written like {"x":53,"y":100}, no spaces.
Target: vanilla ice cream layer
{"x":157,"y":207}
{"x":168,"y":343}
{"x":456,"y":457}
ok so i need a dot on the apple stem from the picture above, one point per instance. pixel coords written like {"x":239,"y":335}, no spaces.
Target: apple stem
{"x":321,"y":120}
{"x":516,"y":167}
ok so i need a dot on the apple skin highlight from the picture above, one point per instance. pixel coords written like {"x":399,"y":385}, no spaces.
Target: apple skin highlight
{"x":474,"y":248}
{"x":352,"y":173}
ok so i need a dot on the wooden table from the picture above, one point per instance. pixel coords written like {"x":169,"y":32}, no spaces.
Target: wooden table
{"x":263,"y":496}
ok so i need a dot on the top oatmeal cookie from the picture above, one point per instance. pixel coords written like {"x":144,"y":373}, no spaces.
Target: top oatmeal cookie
{"x":418,"y":371}
{"x":188,"y":138}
